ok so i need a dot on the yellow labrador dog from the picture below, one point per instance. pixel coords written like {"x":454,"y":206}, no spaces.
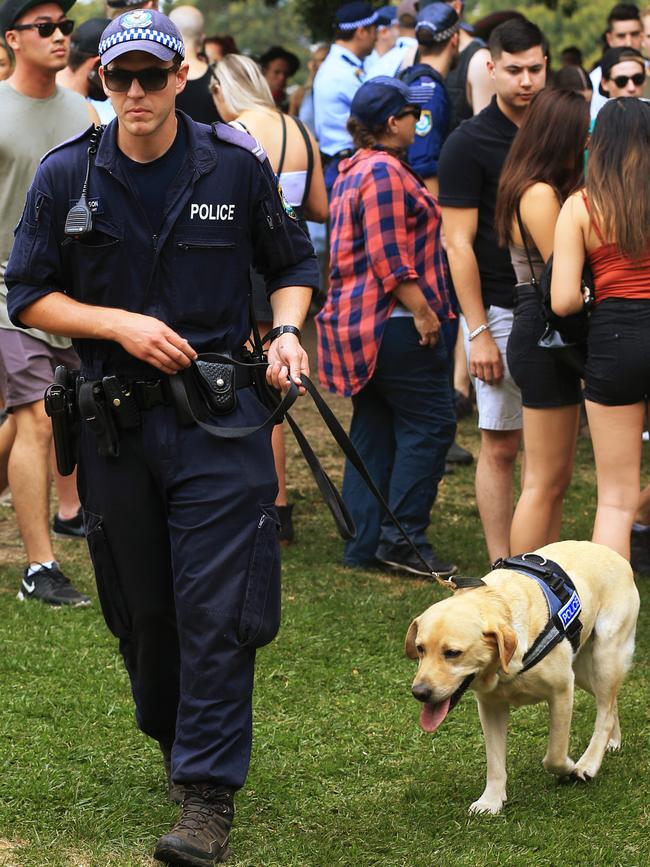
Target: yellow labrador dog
{"x":478,"y":638}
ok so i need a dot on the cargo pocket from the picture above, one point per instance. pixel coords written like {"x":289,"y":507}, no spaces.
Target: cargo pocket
{"x":260,"y":616}
{"x":109,"y":589}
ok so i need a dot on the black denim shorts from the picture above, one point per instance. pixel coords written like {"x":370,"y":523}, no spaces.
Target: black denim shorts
{"x":543,"y":378}
{"x":618,"y":361}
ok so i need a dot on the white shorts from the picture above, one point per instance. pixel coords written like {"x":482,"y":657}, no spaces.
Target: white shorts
{"x":499,"y":406}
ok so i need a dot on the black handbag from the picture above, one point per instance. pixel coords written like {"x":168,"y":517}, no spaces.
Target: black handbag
{"x":564,"y":335}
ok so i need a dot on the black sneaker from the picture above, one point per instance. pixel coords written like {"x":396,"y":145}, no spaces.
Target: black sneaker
{"x":404,"y":559}
{"x":50,"y":585}
{"x":175,"y":791}
{"x":458,"y":455}
{"x":640,"y":552}
{"x":285,"y":533}
{"x":69,"y":528}
{"x":200,"y":837}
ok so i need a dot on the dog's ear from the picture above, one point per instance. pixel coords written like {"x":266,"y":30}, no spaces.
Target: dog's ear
{"x":505,"y":638}
{"x":409,"y":644}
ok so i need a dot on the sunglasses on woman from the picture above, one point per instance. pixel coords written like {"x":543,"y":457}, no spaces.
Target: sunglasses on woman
{"x":621,"y":80}
{"x":150,"y":80}
{"x":47,"y":28}
{"x":409,"y":112}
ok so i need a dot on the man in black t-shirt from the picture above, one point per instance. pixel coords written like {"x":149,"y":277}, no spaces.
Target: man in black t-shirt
{"x":469,"y":169}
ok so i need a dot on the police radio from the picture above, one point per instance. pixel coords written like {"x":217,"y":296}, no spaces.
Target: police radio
{"x":80,"y":218}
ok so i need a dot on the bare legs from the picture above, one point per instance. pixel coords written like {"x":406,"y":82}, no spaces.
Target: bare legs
{"x":616,"y":437}
{"x":549,"y":450}
{"x":494,"y":487}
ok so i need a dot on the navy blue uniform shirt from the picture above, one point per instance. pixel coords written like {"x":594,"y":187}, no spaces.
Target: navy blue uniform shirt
{"x":432,"y":127}
{"x":222,"y":213}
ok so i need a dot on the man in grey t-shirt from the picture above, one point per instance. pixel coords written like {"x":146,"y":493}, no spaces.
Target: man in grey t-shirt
{"x":36,"y":116}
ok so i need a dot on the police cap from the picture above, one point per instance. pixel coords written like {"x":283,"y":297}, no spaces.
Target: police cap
{"x":438,"y":20}
{"x":386,"y":16}
{"x":353,"y":15}
{"x":12,"y":10}
{"x":141,"y":30}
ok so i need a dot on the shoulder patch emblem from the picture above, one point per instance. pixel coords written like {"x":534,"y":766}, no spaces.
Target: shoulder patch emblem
{"x":288,"y":209}
{"x":425,"y":123}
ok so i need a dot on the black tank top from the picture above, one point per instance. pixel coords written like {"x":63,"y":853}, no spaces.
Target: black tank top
{"x":196,"y":100}
{"x":456,"y":84}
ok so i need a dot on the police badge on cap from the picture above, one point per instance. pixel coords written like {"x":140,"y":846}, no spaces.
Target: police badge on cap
{"x":141,"y":30}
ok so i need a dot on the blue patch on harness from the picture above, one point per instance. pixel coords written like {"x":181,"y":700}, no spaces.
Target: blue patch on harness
{"x":570,"y":610}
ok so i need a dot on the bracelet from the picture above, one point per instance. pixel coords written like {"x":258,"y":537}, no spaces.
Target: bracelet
{"x":281,"y":329}
{"x":479,"y":330}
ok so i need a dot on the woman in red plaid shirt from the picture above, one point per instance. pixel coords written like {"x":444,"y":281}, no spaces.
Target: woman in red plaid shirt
{"x":380,"y":330}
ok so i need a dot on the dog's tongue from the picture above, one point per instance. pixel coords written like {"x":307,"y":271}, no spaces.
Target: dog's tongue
{"x":433,"y":714}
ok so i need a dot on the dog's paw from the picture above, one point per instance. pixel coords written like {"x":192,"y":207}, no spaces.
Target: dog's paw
{"x":613,"y":745}
{"x":559,"y":769}
{"x":492,"y":807}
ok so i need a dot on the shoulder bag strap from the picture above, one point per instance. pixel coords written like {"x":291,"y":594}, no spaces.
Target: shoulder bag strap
{"x":283,"y":149}
{"x":310,"y":160}
{"x":533,"y":279}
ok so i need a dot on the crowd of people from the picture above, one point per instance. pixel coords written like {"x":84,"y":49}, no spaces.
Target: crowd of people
{"x":444,"y":180}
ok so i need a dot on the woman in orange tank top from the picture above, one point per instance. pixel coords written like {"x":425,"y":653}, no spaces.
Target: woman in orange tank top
{"x":608,"y":224}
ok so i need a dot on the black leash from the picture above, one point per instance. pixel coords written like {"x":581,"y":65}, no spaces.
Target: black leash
{"x":333,"y":499}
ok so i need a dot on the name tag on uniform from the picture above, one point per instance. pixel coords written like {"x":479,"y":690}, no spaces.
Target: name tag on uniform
{"x":96,"y":205}
{"x":205,"y":212}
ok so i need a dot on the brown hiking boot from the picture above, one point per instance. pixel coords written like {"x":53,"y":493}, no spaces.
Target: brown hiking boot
{"x":175,"y":792}
{"x":200,"y":837}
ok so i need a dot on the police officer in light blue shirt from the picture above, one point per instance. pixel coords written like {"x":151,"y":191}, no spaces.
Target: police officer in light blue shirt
{"x":402,"y":54}
{"x":387,"y":34}
{"x":338,"y":79}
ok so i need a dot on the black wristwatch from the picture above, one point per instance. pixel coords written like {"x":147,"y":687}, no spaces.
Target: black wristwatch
{"x":281,"y":329}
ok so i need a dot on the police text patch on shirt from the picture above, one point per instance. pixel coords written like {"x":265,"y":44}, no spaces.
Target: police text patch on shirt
{"x":212,"y":211}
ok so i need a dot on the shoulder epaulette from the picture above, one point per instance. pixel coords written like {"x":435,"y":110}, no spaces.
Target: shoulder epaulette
{"x":231,"y":135}
{"x":82,"y":135}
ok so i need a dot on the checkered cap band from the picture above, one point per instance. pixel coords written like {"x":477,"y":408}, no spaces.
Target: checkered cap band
{"x":139,"y":34}
{"x":440,"y":36}
{"x":364,"y":22}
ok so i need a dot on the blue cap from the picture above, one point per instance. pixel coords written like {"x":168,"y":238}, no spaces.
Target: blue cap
{"x":383,"y":97}
{"x":141,"y":30}
{"x":386,"y":15}
{"x":438,"y":19}
{"x":353,"y":15}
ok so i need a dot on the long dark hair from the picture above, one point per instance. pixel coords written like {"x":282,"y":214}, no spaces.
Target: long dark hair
{"x":618,"y":180}
{"x":548,"y":148}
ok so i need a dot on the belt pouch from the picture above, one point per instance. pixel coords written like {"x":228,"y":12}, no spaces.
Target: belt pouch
{"x":202,"y":389}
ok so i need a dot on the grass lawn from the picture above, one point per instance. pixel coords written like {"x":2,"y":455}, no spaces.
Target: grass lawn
{"x":341,"y":772}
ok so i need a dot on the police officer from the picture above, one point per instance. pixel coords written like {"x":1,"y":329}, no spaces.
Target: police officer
{"x":437,"y":34}
{"x":338,"y":79}
{"x":181,"y":526}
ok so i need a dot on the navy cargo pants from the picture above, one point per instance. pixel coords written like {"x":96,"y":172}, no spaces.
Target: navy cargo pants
{"x":182,"y":533}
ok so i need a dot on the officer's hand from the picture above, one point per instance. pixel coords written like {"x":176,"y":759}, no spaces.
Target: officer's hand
{"x":152,"y":341}
{"x":287,"y":360}
{"x":485,"y":359}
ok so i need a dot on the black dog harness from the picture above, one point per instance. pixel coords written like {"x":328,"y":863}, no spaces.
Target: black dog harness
{"x":561,"y":598}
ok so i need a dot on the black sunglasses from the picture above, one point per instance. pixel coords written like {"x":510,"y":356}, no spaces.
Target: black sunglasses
{"x":409,"y":112}
{"x":47,"y":28}
{"x":151,"y":79}
{"x":621,"y":80}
